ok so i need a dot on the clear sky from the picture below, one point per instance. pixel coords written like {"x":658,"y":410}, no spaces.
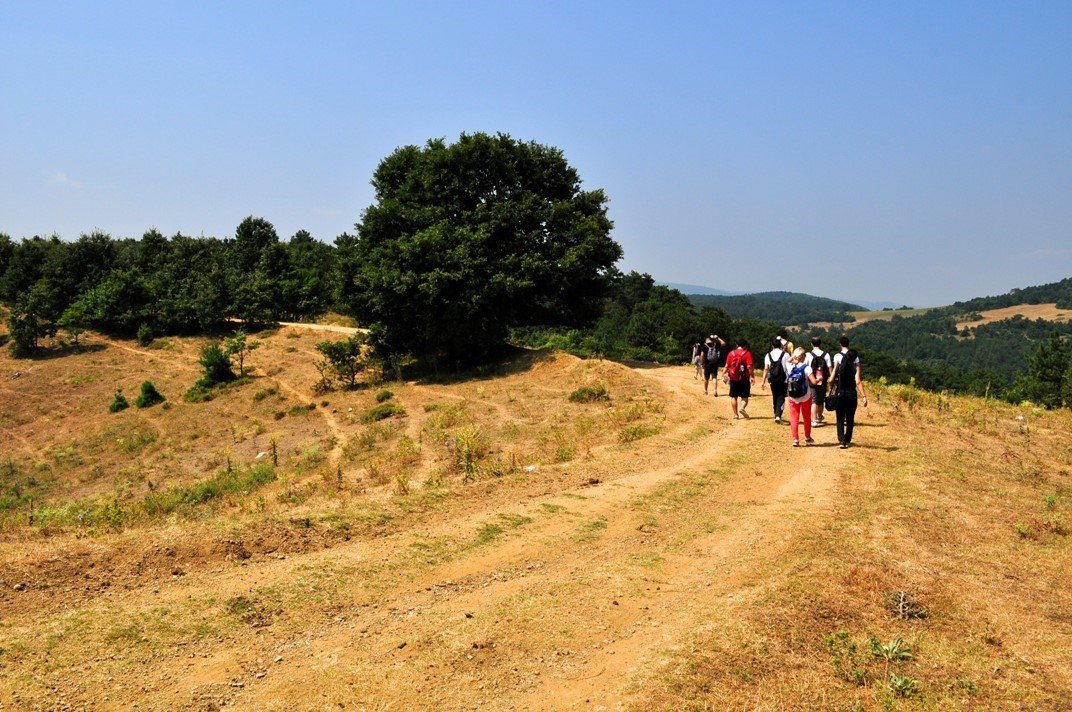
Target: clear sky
{"x":914,"y":152}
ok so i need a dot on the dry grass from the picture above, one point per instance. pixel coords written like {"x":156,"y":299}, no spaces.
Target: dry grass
{"x":498,"y":544}
{"x":1046,"y":312}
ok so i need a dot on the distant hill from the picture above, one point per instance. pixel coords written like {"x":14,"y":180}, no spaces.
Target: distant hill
{"x":958,"y":336}
{"x":695,"y":289}
{"x":786,"y":308}
{"x":1054,"y":292}
{"x":877,"y":306}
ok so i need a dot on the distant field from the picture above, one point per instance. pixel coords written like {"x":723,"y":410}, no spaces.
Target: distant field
{"x":862,"y":316}
{"x":1049,"y":312}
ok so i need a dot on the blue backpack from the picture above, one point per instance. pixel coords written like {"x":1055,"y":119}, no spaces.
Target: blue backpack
{"x":797,"y":383}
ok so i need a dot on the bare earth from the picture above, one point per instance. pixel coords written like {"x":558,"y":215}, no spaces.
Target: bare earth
{"x":646,"y":553}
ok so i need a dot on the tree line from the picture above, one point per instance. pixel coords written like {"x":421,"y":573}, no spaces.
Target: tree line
{"x":469,"y":244}
{"x":159,"y":285}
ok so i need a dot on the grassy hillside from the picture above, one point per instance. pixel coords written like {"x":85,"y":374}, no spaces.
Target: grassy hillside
{"x":786,"y":308}
{"x":551,"y":533}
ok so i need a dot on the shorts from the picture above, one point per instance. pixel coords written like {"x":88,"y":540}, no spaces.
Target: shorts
{"x":710,"y":369}
{"x":740,"y":389}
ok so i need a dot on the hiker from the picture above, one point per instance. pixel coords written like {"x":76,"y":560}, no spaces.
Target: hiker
{"x":821,"y":366}
{"x":697,"y":358}
{"x":848,"y":385}
{"x":774,"y":374}
{"x":799,"y":379}
{"x":711,"y":354}
{"x":740,"y":377}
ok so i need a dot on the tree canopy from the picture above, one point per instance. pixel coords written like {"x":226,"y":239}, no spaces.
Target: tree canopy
{"x":469,"y":239}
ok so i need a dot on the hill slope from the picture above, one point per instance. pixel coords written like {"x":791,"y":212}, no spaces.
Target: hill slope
{"x":787,"y":308}
{"x":501,"y":546}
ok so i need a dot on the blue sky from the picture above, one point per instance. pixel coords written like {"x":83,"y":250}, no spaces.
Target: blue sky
{"x":915,"y":152}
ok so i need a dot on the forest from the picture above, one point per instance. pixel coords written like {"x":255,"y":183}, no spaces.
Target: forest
{"x":789,"y":308}
{"x":184,"y":285}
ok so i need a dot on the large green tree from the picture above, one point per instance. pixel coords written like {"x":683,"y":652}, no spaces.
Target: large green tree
{"x":468,"y":239}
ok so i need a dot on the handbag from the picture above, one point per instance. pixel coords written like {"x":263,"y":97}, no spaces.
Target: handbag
{"x":831,"y":401}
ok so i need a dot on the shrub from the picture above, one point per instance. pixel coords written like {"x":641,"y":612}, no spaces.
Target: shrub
{"x":217,"y":365}
{"x":145,"y":335}
{"x":149,"y":396}
{"x":119,"y":402}
{"x":590,"y":394}
{"x":384,"y":395}
{"x":197,"y":394}
{"x":382,"y":411}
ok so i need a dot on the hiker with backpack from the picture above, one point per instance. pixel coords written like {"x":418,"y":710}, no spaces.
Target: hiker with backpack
{"x":697,"y":358}
{"x":821,"y":366}
{"x":848,"y":389}
{"x":774,"y":374}
{"x":740,"y":377}
{"x":711,"y":354}
{"x":799,"y":382}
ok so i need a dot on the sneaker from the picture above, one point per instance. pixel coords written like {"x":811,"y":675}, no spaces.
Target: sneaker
{"x":815,"y":423}
{"x":796,"y":443}
{"x":822,"y":420}
{"x":809,"y":441}
{"x":843,"y":446}
{"x":777,"y":420}
{"x":744,"y":413}
{"x":736,"y":417}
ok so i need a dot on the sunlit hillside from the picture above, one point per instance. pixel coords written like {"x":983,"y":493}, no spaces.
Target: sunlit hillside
{"x":548,"y":533}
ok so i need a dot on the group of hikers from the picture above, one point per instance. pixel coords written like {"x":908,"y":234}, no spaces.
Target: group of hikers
{"x":811,"y":381}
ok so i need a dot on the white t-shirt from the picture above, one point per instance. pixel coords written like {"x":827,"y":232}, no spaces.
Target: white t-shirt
{"x":789,"y":366}
{"x":815,"y":353}
{"x":779,"y":356}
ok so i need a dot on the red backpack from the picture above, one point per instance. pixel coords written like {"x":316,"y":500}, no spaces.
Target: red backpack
{"x":737,"y":365}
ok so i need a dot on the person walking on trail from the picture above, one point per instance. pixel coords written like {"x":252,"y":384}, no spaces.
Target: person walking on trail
{"x":774,"y":374}
{"x":697,"y":358}
{"x":821,"y":367}
{"x":711,"y":354}
{"x":848,"y":382}
{"x":740,"y":377}
{"x":799,"y":382}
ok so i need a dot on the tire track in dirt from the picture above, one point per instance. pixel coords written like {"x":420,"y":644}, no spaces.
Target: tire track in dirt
{"x":479,"y":584}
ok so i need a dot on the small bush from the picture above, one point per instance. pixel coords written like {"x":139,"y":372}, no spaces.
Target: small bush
{"x":384,"y":395}
{"x":381,"y":412}
{"x":197,"y":394}
{"x":145,"y":335}
{"x":261,"y":395}
{"x":595,"y":393}
{"x":119,"y":402}
{"x":217,"y":365}
{"x":149,"y":396}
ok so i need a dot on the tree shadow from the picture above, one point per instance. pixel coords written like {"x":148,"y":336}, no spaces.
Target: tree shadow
{"x":510,"y":361}
{"x":49,"y":353}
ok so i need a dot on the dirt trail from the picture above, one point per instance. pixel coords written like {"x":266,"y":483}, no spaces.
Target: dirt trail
{"x":575,"y":607}
{"x":558,"y":600}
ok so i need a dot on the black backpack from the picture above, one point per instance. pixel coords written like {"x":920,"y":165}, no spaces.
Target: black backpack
{"x":818,"y":365}
{"x":846,"y":375}
{"x":776,"y":372}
